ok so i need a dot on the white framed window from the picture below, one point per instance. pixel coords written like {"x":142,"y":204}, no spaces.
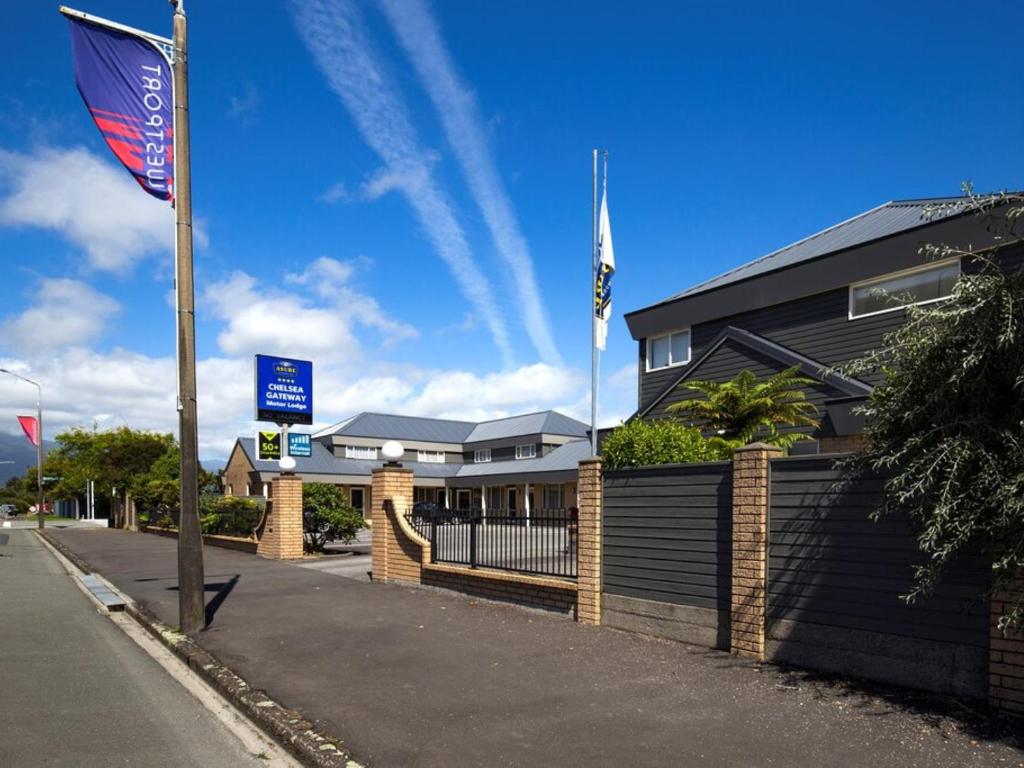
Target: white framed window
{"x":481,"y":455}
{"x":360,"y":452}
{"x":920,"y":285}
{"x":668,"y":350}
{"x":430,"y":457}
{"x":528,"y":451}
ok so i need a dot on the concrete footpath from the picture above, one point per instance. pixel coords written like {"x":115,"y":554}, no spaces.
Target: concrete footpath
{"x":75,"y":691}
{"x":411,"y":677}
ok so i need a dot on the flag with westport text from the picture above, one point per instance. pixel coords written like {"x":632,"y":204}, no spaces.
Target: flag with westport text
{"x":125,"y":81}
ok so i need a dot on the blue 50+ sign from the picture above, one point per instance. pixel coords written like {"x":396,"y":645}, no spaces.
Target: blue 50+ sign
{"x":284,"y":390}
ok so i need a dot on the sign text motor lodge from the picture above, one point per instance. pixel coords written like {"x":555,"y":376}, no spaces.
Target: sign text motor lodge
{"x":284,"y":390}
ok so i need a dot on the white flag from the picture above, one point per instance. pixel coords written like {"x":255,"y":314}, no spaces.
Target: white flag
{"x":603,"y":281}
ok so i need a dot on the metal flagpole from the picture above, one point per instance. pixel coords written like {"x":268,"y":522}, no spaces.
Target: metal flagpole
{"x":191,"y":602}
{"x":593,"y":324}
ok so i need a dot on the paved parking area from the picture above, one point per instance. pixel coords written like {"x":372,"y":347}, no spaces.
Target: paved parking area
{"x":414,"y":677}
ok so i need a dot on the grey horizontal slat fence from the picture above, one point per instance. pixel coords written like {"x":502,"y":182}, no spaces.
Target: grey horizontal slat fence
{"x":834,"y":575}
{"x":666,"y":534}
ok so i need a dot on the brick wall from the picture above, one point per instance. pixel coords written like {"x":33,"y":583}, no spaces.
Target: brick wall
{"x":282,"y":531}
{"x":1006,"y":661}
{"x":400,"y":554}
{"x":396,"y":556}
{"x":533,"y":592}
{"x":237,"y":473}
{"x":749,"y":547}
{"x":588,"y":548}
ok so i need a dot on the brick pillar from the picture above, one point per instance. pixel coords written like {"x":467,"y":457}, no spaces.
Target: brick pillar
{"x":588,"y":543}
{"x":1006,"y":659}
{"x":391,"y":493}
{"x":282,"y":532}
{"x":750,"y":476}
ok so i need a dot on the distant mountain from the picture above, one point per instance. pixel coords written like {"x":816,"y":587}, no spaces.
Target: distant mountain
{"x":16,"y":449}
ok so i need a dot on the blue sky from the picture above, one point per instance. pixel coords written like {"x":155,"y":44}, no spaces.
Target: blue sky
{"x":371,"y":223}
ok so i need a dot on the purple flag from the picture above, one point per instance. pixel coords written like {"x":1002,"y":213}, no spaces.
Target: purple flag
{"x":126,"y":83}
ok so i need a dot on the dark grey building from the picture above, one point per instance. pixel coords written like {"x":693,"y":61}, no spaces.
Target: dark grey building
{"x":818,"y":303}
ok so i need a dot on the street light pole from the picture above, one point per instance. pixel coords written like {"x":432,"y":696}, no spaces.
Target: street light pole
{"x":40,"y":509}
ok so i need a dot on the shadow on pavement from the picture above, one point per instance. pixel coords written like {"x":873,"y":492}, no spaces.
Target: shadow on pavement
{"x":222,"y":588}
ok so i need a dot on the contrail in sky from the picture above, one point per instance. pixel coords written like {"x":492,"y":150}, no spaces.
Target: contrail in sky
{"x":335,"y":34}
{"x":419,"y":34}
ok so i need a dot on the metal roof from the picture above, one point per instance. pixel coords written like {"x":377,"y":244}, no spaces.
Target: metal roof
{"x":887,"y":219}
{"x":564,"y":458}
{"x":392,"y":427}
{"x":417,"y":428}
{"x":544,"y":422}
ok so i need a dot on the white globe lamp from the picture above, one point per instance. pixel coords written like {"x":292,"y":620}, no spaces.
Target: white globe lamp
{"x":287,"y":463}
{"x":392,"y":450}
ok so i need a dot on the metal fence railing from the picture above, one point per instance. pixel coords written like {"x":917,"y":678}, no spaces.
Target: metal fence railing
{"x":542,"y":543}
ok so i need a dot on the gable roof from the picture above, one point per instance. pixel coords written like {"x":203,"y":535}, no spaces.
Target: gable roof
{"x":391,"y":426}
{"x":883,"y":221}
{"x":544,"y":422}
{"x":417,"y":428}
{"x":807,"y":366}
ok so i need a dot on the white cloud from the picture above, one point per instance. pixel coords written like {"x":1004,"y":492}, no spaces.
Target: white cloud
{"x":82,"y":387}
{"x":91,"y":203}
{"x":335,"y":34}
{"x":318,"y":323}
{"x":62,"y":313}
{"x":456,"y":106}
{"x":336,"y":193}
{"x":245,"y":104}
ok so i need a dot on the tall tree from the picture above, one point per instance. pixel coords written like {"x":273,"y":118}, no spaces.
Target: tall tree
{"x":946,"y":424}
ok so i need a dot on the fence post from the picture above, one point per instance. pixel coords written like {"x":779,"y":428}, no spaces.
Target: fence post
{"x":750,"y":480}
{"x":433,"y":538}
{"x":392,"y":493}
{"x":588,"y":543}
{"x":472,"y":541}
{"x":282,"y":532}
{"x":1006,"y":656}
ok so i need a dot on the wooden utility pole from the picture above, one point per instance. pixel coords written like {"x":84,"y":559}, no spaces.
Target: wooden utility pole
{"x":191,"y":599}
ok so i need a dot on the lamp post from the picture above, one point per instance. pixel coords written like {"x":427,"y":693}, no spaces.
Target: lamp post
{"x":40,"y":510}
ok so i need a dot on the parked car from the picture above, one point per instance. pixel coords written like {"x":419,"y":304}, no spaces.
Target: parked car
{"x":425,"y":511}
{"x":8,"y":510}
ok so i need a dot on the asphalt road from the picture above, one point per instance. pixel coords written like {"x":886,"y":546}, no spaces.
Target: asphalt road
{"x":415,"y":678}
{"x":75,"y":691}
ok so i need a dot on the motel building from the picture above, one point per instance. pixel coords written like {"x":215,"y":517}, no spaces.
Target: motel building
{"x":511,"y":467}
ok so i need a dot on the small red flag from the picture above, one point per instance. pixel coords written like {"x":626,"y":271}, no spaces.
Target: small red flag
{"x":31,"y":428}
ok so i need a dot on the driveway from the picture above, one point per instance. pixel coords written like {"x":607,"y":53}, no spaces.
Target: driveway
{"x":415,"y":677}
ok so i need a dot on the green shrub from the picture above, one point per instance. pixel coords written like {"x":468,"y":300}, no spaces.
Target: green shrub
{"x":327,"y":516}
{"x":664,"y":441}
{"x":228,"y":515}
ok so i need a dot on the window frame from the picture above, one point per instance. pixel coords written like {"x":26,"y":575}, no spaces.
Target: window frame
{"x":438,"y":457}
{"x":668,"y":335}
{"x":561,"y":495}
{"x":478,"y":453}
{"x":354,"y":448}
{"x":533,"y":451}
{"x":935,"y":265}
